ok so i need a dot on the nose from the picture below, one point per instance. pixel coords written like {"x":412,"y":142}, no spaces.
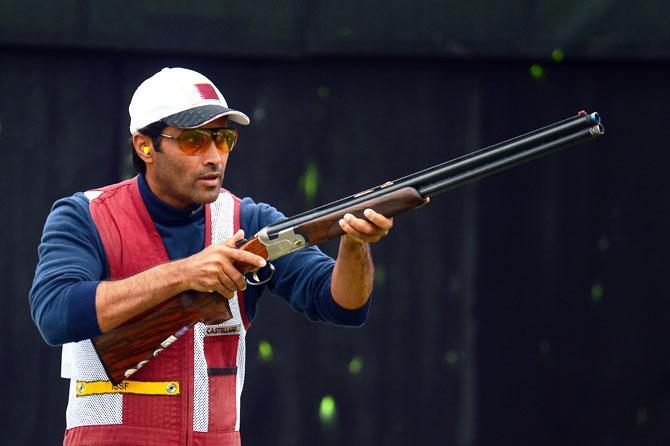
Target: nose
{"x":213,"y":156}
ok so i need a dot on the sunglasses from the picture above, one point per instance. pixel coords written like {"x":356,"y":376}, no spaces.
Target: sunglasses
{"x":195,"y":141}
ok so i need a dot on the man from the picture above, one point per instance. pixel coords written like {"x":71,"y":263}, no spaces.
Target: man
{"x":110,"y":254}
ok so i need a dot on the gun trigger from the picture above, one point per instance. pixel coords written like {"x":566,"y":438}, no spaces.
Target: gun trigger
{"x":256,"y":280}
{"x":239,"y":243}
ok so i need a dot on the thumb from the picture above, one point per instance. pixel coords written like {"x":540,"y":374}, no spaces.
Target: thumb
{"x":239,"y":235}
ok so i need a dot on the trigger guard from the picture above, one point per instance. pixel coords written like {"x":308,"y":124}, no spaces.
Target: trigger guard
{"x":257,"y":281}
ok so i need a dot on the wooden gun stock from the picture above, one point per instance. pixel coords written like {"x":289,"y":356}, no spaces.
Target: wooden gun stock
{"x":127,"y":348}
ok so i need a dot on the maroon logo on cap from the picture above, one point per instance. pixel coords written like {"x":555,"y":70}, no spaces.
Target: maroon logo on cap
{"x":206,"y":91}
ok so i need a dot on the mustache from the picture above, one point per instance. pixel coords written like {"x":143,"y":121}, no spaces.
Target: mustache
{"x":209,"y":171}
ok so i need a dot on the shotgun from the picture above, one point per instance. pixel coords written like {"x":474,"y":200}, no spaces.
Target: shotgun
{"x":127,"y":348}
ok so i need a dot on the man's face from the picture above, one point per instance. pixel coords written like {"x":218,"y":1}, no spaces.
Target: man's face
{"x":179,"y":179}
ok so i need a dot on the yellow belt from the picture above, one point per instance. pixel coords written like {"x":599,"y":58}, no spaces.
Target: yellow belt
{"x":170,"y":388}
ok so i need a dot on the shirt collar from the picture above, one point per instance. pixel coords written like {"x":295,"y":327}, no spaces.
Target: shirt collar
{"x":163,"y":212}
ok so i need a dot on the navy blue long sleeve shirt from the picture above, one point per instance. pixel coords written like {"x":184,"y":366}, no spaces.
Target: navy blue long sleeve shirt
{"x":72,"y":262}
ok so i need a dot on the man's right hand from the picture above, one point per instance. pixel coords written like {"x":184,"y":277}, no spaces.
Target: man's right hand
{"x":212,"y":269}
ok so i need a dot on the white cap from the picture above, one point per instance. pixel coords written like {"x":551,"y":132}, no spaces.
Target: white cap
{"x":181,"y":98}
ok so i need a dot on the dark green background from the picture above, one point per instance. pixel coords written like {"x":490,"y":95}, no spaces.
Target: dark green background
{"x":595,"y":29}
{"x":528,"y":308}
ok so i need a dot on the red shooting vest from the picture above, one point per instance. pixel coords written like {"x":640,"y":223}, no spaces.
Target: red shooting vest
{"x":208,"y":361}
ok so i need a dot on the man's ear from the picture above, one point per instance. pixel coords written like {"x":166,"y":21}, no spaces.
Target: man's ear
{"x":144,"y":147}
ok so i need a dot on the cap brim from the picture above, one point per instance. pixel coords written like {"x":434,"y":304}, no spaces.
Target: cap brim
{"x":197,"y":116}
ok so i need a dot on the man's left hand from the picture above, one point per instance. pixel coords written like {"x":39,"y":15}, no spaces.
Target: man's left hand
{"x":366,"y":231}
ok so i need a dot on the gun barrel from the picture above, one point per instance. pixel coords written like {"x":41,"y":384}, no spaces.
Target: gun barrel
{"x":505,"y":148}
{"x":483,"y":170}
{"x":431,"y":180}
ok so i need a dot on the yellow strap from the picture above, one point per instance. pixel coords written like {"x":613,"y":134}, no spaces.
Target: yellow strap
{"x":170,"y":388}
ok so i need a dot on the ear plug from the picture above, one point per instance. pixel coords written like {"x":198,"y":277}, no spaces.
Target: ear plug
{"x":147,"y":150}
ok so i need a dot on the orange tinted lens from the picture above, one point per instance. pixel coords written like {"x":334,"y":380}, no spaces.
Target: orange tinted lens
{"x":193,"y":141}
{"x":225,"y":139}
